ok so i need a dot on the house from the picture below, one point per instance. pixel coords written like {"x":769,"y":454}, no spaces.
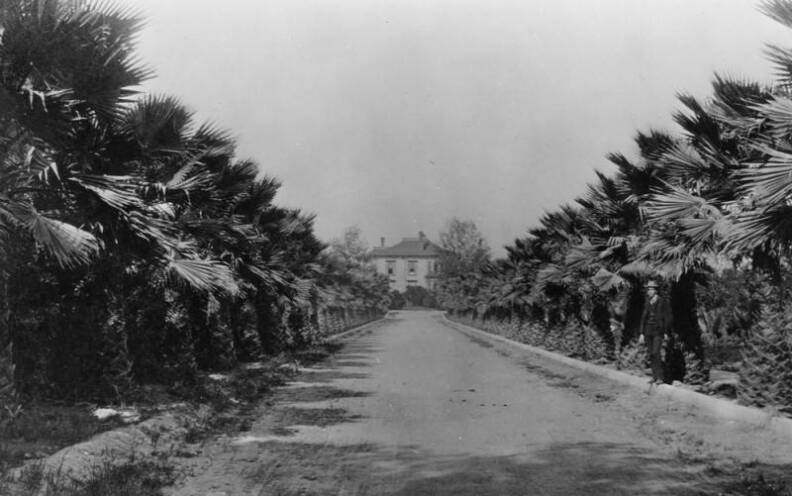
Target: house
{"x":411,"y":262}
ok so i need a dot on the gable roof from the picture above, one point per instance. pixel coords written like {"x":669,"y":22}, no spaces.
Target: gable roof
{"x":409,"y":247}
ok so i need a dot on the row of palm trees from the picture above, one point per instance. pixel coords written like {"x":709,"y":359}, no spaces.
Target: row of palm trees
{"x":715,"y":200}
{"x":133,"y":245}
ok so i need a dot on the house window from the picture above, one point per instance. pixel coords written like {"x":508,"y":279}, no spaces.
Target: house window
{"x":412,"y":265}
{"x":429,"y":266}
{"x":391,"y":264}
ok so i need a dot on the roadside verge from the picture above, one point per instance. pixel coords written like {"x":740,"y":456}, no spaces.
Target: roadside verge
{"x":719,"y":408}
{"x":356,"y":331}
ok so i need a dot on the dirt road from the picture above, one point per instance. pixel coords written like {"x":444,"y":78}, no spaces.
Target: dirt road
{"x":417,"y":408}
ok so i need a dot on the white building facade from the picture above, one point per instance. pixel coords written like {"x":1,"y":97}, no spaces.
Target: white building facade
{"x":411,"y":262}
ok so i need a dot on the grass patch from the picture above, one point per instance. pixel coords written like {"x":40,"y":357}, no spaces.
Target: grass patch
{"x":238,"y":387}
{"x":320,"y":393}
{"x":758,"y":485}
{"x":480,"y":341}
{"x":318,"y":353}
{"x":547,"y":374}
{"x":564,"y":384}
{"x":233,"y":401}
{"x":41,"y":429}
{"x":320,"y":417}
{"x":137,"y":478}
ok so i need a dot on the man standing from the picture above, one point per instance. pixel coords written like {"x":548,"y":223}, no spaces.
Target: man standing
{"x":655,"y":322}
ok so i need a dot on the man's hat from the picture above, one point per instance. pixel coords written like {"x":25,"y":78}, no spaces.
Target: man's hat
{"x":652,"y":284}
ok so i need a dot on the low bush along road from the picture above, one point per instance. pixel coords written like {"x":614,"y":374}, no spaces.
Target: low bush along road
{"x":415,"y":407}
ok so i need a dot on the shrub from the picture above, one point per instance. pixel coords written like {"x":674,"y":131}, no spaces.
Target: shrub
{"x":632,"y":357}
{"x":420,"y":297}
{"x":595,"y":347}
{"x":730,"y":303}
{"x":696,"y":370}
{"x":397,"y":301}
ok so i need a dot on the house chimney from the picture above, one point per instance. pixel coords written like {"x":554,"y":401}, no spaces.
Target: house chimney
{"x":421,"y":235}
{"x":382,"y":242}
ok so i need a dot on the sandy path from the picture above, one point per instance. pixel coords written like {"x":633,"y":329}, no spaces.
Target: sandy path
{"x":418,"y":408}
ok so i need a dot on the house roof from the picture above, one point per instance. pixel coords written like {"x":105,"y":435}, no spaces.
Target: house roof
{"x":409,"y":247}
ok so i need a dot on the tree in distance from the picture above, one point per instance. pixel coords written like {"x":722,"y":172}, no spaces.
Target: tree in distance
{"x":466,"y":250}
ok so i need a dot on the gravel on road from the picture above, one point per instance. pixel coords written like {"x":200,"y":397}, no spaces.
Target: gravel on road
{"x":417,"y":408}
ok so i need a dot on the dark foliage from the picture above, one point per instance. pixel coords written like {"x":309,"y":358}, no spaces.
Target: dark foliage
{"x":134,"y":247}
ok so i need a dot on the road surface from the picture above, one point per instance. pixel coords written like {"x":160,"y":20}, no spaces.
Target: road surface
{"x":418,"y":408}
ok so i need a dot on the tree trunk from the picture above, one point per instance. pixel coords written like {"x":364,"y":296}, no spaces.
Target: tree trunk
{"x":268,"y":323}
{"x":685,"y":318}
{"x":685,"y":338}
{"x":632,"y":313}
{"x":8,"y":393}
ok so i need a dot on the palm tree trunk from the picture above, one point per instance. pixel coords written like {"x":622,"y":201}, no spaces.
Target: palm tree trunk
{"x":267,"y":322}
{"x":7,"y":385}
{"x":686,"y":336}
{"x":632,"y":314}
{"x":683,"y":306}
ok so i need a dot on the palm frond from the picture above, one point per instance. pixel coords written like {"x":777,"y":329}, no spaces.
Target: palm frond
{"x":68,"y":244}
{"x":668,"y":257}
{"x":37,"y":161}
{"x":582,"y":255}
{"x":185,"y":180}
{"x":97,"y":67}
{"x":605,"y":280}
{"x":778,"y":10}
{"x":697,"y":122}
{"x":777,"y":114}
{"x":684,"y":160}
{"x":758,"y":227}
{"x":636,"y":268}
{"x":202,"y":274}
{"x":675,"y":203}
{"x":782,"y":60}
{"x":770,"y":183}
{"x":271,"y":278}
{"x":160,"y":231}
{"x":653,"y":144}
{"x":737,"y":98}
{"x":117,"y":192}
{"x":159,"y":124}
{"x":212,"y":137}
{"x":551,"y":273}
{"x":700,"y":231}
{"x":303,"y":290}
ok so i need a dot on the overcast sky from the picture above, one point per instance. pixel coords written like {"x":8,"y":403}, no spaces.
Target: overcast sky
{"x":395,"y":115}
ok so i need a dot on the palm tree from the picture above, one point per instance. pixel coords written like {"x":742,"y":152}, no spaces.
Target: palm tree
{"x":69,"y":181}
{"x":688,"y":206}
{"x":63,"y":68}
{"x":717,"y":202}
{"x":732,"y":181}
